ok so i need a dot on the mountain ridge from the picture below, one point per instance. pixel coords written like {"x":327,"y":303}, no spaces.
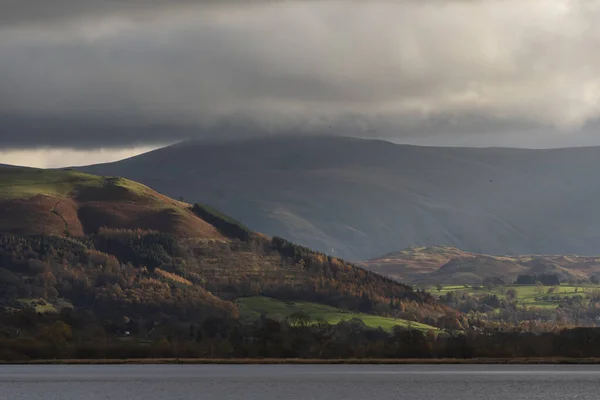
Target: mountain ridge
{"x":360,"y":198}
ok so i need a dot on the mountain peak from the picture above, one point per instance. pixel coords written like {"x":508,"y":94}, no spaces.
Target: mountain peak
{"x":366,"y":197}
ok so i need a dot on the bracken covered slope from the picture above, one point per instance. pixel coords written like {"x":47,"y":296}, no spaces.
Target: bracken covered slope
{"x":125,"y":252}
{"x":71,"y":203}
{"x":444,"y":264}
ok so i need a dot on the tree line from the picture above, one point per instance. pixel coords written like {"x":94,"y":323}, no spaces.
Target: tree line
{"x":71,"y":334}
{"x":152,"y":276}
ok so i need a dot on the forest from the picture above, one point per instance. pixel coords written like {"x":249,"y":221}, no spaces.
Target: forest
{"x":154,"y":278}
{"x":145,"y":294}
{"x":120,"y":293}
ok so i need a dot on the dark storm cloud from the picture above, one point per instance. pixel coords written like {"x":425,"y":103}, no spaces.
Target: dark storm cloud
{"x":92,"y":73}
{"x":93,"y":133}
{"x":18,"y":12}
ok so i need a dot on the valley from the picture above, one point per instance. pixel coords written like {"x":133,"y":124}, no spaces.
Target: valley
{"x":534,"y":296}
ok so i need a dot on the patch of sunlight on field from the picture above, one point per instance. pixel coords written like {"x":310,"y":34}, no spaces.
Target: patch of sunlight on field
{"x":527,"y":295}
{"x":24,"y":183}
{"x":254,"y":307}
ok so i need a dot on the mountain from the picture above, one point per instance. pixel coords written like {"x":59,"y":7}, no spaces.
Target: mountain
{"x":360,"y":198}
{"x":444,"y":264}
{"x":123,"y":252}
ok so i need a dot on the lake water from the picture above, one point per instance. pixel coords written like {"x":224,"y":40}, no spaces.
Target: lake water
{"x":282,"y":382}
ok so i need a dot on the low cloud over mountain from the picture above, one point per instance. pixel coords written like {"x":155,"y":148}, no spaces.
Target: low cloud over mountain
{"x":91,"y":74}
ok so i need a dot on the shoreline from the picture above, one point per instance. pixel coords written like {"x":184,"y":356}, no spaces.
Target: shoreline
{"x":297,"y":361}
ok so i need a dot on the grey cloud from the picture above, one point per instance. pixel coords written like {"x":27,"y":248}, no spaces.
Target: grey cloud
{"x":98,"y":73}
{"x":19,"y":12}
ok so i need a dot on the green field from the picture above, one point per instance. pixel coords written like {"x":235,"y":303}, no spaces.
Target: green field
{"x":42,"y":306}
{"x":17,"y":183}
{"x":253,"y":307}
{"x":527,"y":295}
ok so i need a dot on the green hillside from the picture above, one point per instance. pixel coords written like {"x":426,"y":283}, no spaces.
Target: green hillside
{"x":24,"y":183}
{"x":254,"y":307}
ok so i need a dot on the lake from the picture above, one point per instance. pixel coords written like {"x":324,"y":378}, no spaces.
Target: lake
{"x":281,"y":382}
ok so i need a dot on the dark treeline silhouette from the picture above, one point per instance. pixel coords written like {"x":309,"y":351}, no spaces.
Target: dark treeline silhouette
{"x":544,"y":279}
{"x":493,"y":281}
{"x":26,"y":335}
{"x":150,"y":249}
{"x":226,"y":225}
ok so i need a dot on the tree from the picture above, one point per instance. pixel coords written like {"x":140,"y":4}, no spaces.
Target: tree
{"x":511,"y":295}
{"x":539,"y":288}
{"x":526,"y":279}
{"x":298,"y":319}
{"x":59,"y":333}
{"x":490,"y":283}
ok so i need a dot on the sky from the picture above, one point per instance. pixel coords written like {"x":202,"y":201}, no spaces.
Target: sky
{"x":87,"y":81}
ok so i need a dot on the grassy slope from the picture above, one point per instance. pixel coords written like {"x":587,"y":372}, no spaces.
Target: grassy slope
{"x":54,"y":202}
{"x":253,"y":307}
{"x":25,"y":183}
{"x":43,"y":306}
{"x":527,"y":295}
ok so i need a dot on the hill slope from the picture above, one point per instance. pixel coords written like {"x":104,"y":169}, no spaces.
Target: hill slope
{"x":124,"y":252}
{"x":66,"y":202}
{"x":443,"y":264}
{"x":362,"y":198}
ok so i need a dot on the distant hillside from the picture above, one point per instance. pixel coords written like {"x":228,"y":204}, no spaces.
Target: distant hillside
{"x":124,"y":252}
{"x":361,"y":198}
{"x":415,"y":262}
{"x":443,"y":264}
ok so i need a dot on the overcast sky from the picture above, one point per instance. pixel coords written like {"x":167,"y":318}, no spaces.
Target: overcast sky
{"x":95,"y":80}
